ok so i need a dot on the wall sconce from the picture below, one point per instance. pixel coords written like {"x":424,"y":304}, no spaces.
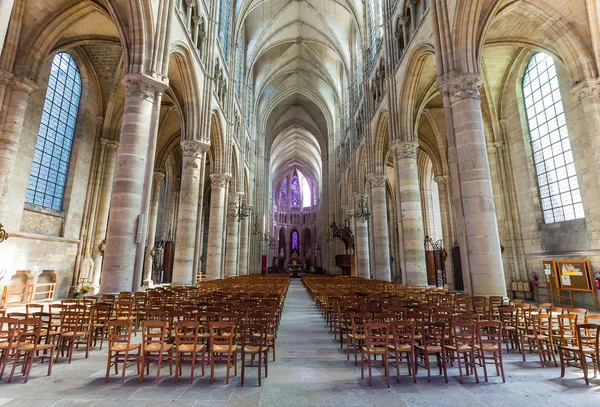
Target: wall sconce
{"x":3,"y":234}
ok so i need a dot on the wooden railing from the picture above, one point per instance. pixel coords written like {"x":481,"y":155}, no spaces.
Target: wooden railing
{"x":27,"y":293}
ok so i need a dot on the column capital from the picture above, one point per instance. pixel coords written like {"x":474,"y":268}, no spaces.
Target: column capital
{"x":158,"y":175}
{"x":234,"y":196}
{"x":360,"y":197}
{"x":108,"y":144}
{"x":193,"y":148}
{"x":460,"y":86}
{"x":142,"y":86}
{"x":404,"y":149}
{"x":442,"y":179}
{"x":586,"y":88}
{"x":377,"y":181}
{"x":219,"y":180}
{"x":23,"y":84}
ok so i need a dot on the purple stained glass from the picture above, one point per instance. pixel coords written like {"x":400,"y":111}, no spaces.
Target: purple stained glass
{"x":295,"y":191}
{"x":283,"y":194}
{"x":295,"y":243}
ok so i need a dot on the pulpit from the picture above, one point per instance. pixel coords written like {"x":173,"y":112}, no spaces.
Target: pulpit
{"x":346,"y":263}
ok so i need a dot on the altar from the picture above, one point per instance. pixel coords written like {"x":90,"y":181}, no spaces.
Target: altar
{"x":294,"y":266}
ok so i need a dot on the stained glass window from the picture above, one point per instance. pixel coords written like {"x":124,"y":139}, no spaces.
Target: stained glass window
{"x":552,"y":155}
{"x":283,"y":194}
{"x":224,"y":25}
{"x":295,"y":191}
{"x":55,"y":136}
{"x":314,"y":196}
{"x":305,"y":193}
{"x":295,"y":241}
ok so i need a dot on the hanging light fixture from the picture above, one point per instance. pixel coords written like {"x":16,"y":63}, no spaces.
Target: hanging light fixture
{"x":3,"y":234}
{"x":238,"y":212}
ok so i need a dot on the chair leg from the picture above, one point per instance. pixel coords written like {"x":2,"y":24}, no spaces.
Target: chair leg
{"x":244,"y":368}
{"x":108,"y":368}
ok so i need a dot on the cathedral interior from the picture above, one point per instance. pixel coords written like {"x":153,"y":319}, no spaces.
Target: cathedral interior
{"x":416,"y":143}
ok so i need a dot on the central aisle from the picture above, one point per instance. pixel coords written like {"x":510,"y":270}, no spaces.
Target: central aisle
{"x":310,"y":369}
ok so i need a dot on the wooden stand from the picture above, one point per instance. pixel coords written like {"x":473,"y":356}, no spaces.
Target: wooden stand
{"x":563,"y":277}
{"x":346,"y":263}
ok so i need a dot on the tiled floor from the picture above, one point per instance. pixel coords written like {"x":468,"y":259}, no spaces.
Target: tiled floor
{"x":310,"y":371}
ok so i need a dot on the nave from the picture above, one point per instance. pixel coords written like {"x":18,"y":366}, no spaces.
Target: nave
{"x":310,"y":370}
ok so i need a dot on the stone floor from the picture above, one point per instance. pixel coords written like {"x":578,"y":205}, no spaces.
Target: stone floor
{"x":310,"y":371}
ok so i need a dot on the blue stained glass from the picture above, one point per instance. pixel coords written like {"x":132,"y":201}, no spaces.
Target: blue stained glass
{"x":283,"y":194}
{"x":295,"y":191}
{"x":55,"y":136}
{"x":295,"y":241}
{"x":550,"y":141}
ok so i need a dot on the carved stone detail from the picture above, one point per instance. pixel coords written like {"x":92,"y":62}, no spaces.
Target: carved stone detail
{"x":158,"y":175}
{"x":143,"y":87}
{"x":461,"y":87}
{"x":586,"y":89}
{"x":219,"y":180}
{"x":108,"y":144}
{"x":193,"y":148}
{"x":377,"y":181}
{"x":405,"y":149}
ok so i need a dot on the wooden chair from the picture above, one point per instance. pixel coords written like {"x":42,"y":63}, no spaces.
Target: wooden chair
{"x":28,"y":345}
{"x":120,"y":348}
{"x":402,"y":334}
{"x":73,"y":333}
{"x":222,"y":348}
{"x":581,"y":313}
{"x":356,"y":335}
{"x":376,"y":343}
{"x":586,"y":352}
{"x":489,"y":346}
{"x":30,"y":309}
{"x":254,"y":343}
{"x":433,"y":340}
{"x":188,"y":347}
{"x":8,"y":340}
{"x":509,"y":316}
{"x":593,"y":319}
{"x":464,"y":334}
{"x":539,"y":338}
{"x":100,"y":315}
{"x":49,"y":334}
{"x":155,"y":348}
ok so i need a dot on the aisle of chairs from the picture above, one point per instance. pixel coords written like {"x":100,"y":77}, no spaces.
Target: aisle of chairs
{"x":230,"y":322}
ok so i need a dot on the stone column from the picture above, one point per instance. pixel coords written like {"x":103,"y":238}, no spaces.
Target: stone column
{"x":232,"y":238}
{"x":187,"y":217}
{"x":472,"y":186}
{"x":137,"y":147}
{"x":243,"y":258}
{"x":448,"y":233}
{"x":106,"y":185}
{"x":13,"y":113}
{"x":407,"y":182}
{"x":361,"y":239}
{"x":214,"y":255}
{"x":152,"y":220}
{"x":381,"y":238}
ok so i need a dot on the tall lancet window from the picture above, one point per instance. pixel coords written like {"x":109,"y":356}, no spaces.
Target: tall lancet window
{"x":50,"y":165}
{"x":295,"y":241}
{"x":552,"y":155}
{"x":283,"y":194}
{"x":295,"y":200}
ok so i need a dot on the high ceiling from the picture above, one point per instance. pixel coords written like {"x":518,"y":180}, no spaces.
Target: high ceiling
{"x":298,"y":58}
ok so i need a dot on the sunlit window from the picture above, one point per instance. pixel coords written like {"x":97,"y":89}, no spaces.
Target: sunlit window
{"x":295,"y":241}
{"x":552,"y":155}
{"x":50,"y":165}
{"x":295,"y":191}
{"x":283,"y":194}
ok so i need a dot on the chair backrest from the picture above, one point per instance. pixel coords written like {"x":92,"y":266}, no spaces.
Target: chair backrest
{"x":8,"y":329}
{"x":17,"y":315}
{"x":593,"y":319}
{"x":28,"y":331}
{"x":187,"y":333}
{"x":222,"y":333}
{"x":433,"y":334}
{"x":31,"y":308}
{"x":588,"y":335}
{"x":154,"y":333}
{"x":403,"y":332}
{"x":464,"y":332}
{"x":254,"y":335}
{"x":376,"y":335}
{"x":119,"y":332}
{"x":489,"y":333}
{"x":71,"y":321}
{"x":101,"y":313}
{"x":466,"y":316}
{"x":580,"y":312}
{"x":46,"y":319}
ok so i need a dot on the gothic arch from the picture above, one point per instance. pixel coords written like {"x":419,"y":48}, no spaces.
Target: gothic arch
{"x":216,"y":143}
{"x":381,"y":143}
